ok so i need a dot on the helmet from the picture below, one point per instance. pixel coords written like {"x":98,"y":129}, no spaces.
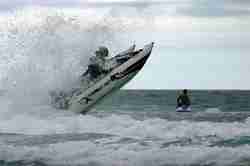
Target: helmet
{"x":102,"y":51}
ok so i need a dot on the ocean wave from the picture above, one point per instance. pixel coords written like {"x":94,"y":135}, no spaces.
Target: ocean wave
{"x":49,"y":121}
{"x":43,"y":49}
{"x":89,"y":153}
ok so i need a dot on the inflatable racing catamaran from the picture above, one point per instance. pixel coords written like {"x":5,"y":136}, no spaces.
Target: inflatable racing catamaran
{"x":121,"y":69}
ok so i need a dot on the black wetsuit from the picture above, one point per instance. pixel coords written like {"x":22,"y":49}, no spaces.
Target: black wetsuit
{"x":183,"y":100}
{"x":94,"y":70}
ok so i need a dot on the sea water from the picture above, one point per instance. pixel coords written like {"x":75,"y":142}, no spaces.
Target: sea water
{"x":45,"y":49}
{"x":136,"y":127}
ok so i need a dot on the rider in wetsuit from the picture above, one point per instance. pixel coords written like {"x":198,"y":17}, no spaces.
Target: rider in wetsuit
{"x":97,"y":64}
{"x":183,"y":99}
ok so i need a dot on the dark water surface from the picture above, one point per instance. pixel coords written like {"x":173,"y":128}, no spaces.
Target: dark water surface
{"x":165,"y":100}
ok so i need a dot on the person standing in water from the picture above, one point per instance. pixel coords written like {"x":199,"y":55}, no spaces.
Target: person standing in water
{"x":183,"y":100}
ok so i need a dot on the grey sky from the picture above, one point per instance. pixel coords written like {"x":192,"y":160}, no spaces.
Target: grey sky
{"x":201,"y":44}
{"x":213,"y":8}
{"x":186,"y":7}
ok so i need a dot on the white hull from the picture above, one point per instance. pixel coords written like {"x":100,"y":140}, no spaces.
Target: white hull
{"x":113,"y":81}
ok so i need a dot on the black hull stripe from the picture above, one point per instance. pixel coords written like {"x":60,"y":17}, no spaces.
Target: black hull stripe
{"x":137,"y":66}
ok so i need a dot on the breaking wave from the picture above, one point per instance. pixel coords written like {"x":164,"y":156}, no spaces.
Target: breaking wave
{"x":45,"y":48}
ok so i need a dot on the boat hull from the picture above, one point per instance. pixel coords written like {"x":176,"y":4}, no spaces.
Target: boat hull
{"x":117,"y":78}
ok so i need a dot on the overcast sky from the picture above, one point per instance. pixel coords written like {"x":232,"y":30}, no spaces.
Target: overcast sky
{"x":200,"y":44}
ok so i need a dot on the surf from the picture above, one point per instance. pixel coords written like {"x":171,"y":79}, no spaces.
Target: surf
{"x":44,"y":49}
